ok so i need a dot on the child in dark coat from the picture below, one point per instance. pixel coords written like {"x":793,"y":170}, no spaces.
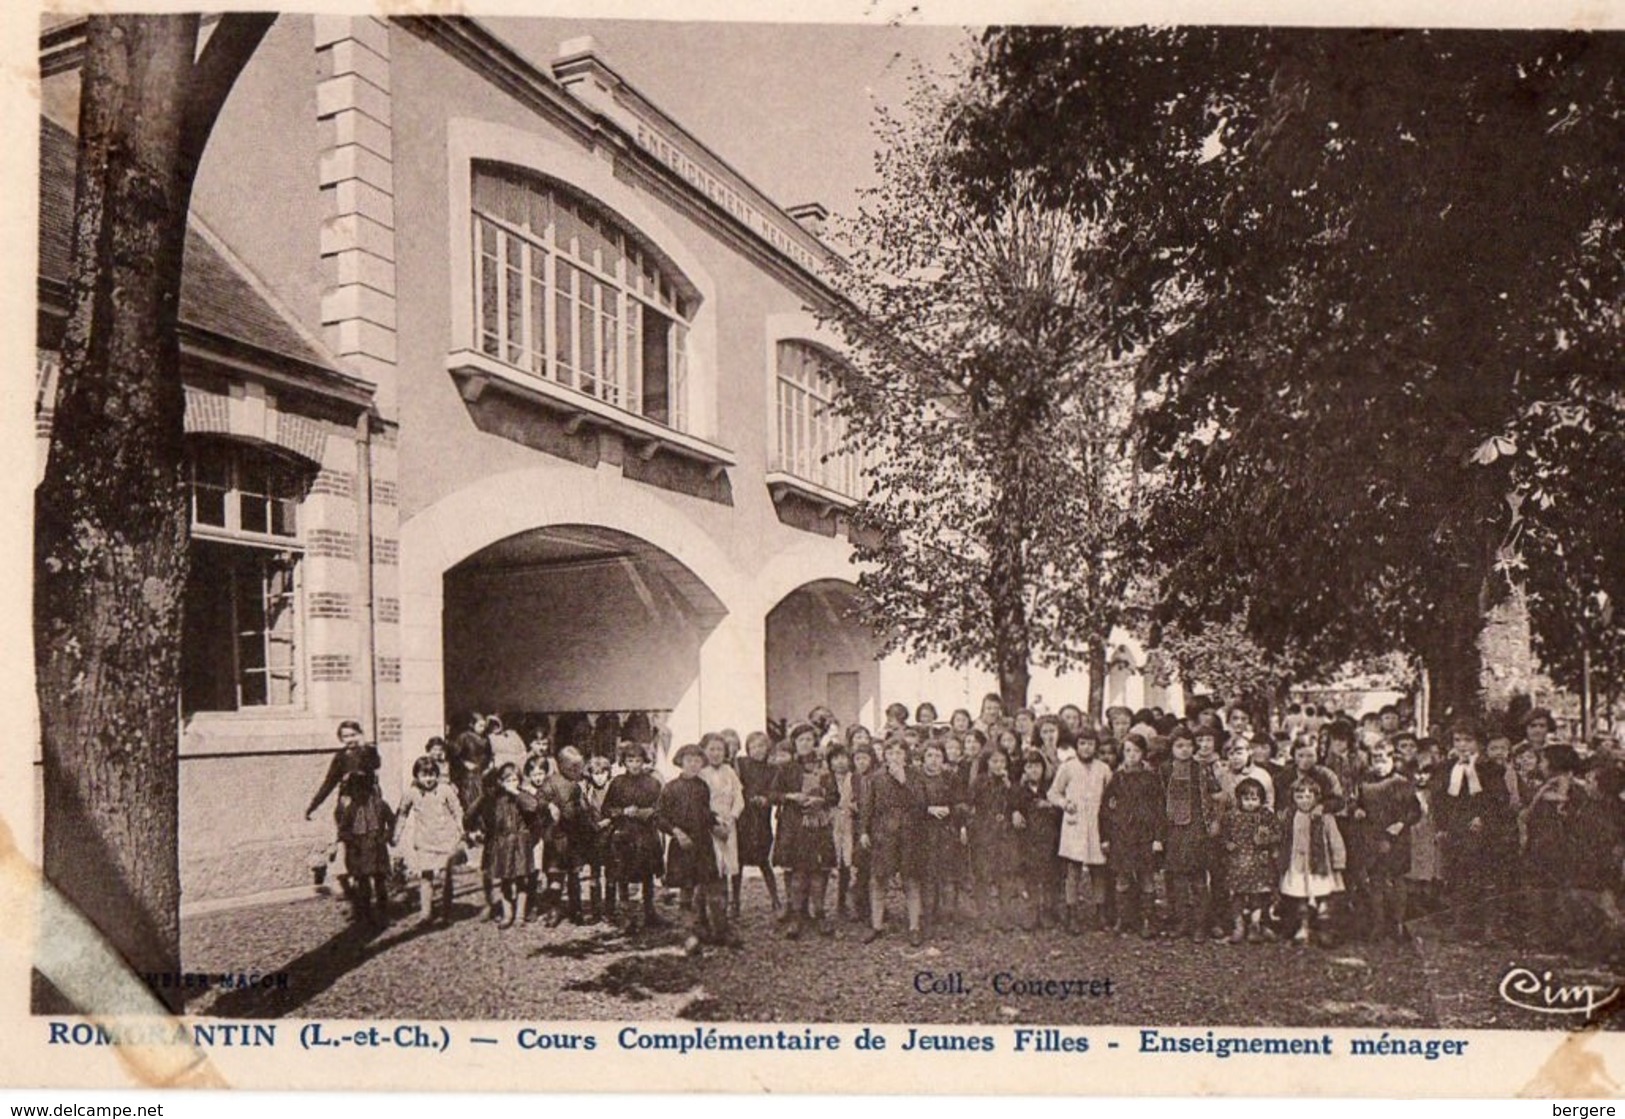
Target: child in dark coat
{"x":364,"y":822}
{"x":1571,"y":842}
{"x":1132,"y":823}
{"x":635,"y":856}
{"x":1385,"y":809}
{"x":891,"y":819}
{"x":993,"y":838}
{"x":1478,"y":829}
{"x":756,"y":822}
{"x":570,"y":838}
{"x":1038,"y":823}
{"x":806,"y":797}
{"x":506,"y":815}
{"x":940,"y":833}
{"x":683,"y":811}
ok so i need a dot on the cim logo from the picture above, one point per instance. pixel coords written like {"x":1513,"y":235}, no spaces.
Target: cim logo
{"x":1544,"y":993}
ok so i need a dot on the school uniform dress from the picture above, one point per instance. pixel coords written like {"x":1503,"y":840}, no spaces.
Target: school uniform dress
{"x":1041,"y":838}
{"x":635,"y":850}
{"x":755,"y":831}
{"x":892,"y":815}
{"x":363,"y":820}
{"x":594,"y":840}
{"x":1426,"y":865}
{"x":942,"y":854}
{"x":429,"y":828}
{"x":685,"y":805}
{"x":993,"y":850}
{"x":1079,"y":790}
{"x":1133,"y":817}
{"x":727,"y":805}
{"x":1465,"y":792}
{"x":509,"y":818}
{"x":806,"y":836}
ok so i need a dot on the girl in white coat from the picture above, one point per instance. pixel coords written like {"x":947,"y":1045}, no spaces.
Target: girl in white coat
{"x":1078,"y":790}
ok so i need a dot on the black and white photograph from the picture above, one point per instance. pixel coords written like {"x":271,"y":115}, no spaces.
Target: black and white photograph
{"x":669,"y":522}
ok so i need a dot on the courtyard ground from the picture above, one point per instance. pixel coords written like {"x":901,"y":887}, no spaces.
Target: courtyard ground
{"x":472,"y":969}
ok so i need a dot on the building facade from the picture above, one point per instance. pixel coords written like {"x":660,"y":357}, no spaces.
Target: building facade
{"x":506,"y":394}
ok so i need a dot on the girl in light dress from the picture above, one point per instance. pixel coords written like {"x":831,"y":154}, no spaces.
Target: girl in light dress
{"x":1313,"y":859}
{"x":727,"y":805}
{"x":429,"y":831}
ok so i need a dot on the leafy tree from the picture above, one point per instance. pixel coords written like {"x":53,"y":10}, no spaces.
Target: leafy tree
{"x":1346,"y":260}
{"x":1226,"y":660}
{"x":992,"y":415}
{"x":111,"y":524}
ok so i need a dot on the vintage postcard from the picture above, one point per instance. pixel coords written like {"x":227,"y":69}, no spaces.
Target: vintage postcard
{"x":867,"y":548}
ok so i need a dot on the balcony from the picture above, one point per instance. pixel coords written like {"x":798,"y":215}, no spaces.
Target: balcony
{"x":477,"y":374}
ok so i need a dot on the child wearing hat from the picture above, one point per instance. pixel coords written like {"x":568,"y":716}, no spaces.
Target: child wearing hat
{"x":683,"y":811}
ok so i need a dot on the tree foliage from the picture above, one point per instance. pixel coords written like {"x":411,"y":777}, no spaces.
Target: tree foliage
{"x":980,"y":392}
{"x":1348,"y":261}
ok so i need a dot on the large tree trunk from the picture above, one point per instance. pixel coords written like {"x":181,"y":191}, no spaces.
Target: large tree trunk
{"x":111,"y":517}
{"x":1097,"y":680}
{"x":1455,"y":663}
{"x":111,"y":513}
{"x":1006,"y":589}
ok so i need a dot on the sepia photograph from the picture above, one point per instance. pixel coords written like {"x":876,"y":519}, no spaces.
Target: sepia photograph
{"x":661,"y":523}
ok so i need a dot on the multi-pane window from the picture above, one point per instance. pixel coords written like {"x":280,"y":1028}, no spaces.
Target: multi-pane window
{"x":811,"y":433}
{"x":564,"y":292}
{"x":240,"y":641}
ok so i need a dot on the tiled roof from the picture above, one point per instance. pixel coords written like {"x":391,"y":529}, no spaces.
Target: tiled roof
{"x":216,"y":294}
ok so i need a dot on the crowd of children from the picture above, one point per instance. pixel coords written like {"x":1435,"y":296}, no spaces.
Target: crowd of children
{"x":1151,"y":825}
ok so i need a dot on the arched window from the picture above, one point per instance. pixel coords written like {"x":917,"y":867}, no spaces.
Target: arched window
{"x":811,"y":432}
{"x":239,"y":645}
{"x":565,"y":292}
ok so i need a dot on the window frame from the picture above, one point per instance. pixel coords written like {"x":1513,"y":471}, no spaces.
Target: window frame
{"x":635,"y":286}
{"x":808,"y":430}
{"x":240,"y":457}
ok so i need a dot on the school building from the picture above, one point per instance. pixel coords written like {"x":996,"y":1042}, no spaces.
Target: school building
{"x":505,"y":393}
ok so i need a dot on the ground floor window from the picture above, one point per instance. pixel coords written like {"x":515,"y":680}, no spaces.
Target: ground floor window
{"x":239,"y":644}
